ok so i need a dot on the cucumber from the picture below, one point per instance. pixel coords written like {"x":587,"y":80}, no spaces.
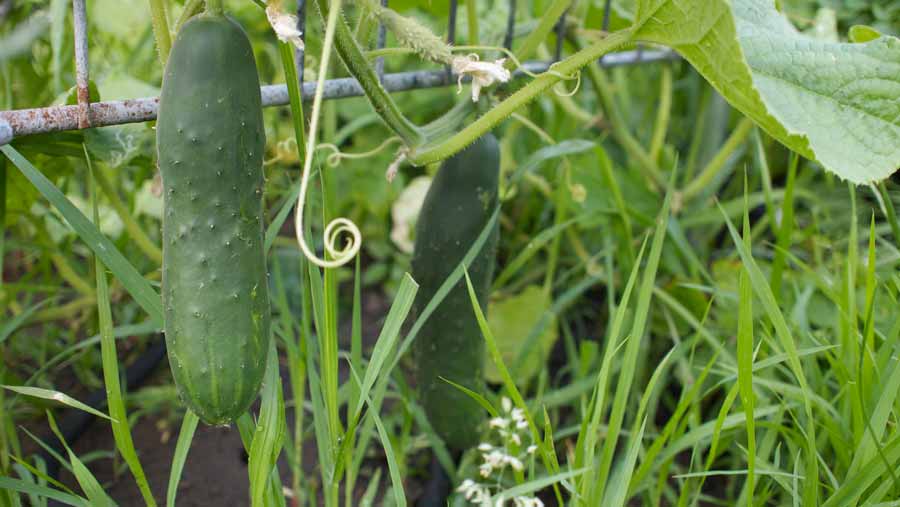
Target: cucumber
{"x":458,"y":205}
{"x":210,"y":141}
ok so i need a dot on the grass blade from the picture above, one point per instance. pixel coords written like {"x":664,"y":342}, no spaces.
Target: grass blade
{"x":30,"y":488}
{"x":628,"y":372}
{"x":270,"y":428}
{"x":48,"y":394}
{"x":110,"y":362}
{"x":89,"y":484}
{"x":185,"y":435}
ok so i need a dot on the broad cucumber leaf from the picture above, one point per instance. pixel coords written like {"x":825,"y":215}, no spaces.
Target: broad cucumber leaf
{"x":837,"y":103}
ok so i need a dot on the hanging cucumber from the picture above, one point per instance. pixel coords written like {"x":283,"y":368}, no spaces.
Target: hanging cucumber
{"x":210,"y":140}
{"x":456,"y":209}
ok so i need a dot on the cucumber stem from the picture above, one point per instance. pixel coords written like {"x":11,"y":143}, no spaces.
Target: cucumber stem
{"x":160,"y":29}
{"x":359,"y":67}
{"x":529,"y":92}
{"x":214,"y":7}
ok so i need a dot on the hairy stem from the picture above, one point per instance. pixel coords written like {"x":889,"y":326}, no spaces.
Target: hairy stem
{"x":191,"y":8}
{"x":359,"y":67}
{"x":437,"y":152}
{"x":161,"y":29}
{"x":214,"y":6}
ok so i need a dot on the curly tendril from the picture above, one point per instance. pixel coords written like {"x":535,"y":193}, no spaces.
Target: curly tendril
{"x":334,"y":158}
{"x":339,"y":226}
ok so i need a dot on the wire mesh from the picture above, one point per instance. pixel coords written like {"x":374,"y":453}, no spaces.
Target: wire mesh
{"x":23,"y":122}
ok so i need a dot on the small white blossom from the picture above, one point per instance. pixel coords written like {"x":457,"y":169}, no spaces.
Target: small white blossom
{"x":475,"y":492}
{"x":484,"y":447}
{"x":284,"y":25}
{"x":531,"y":449}
{"x":483,"y":74}
{"x":524,"y":501}
{"x":498,"y":422}
{"x":507,"y":405}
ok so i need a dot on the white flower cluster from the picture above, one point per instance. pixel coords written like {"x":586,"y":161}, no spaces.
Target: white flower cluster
{"x":496,"y":458}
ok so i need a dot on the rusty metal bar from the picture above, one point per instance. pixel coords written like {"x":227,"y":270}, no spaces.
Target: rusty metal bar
{"x":23,"y":122}
{"x":300,"y":54}
{"x":82,"y":70}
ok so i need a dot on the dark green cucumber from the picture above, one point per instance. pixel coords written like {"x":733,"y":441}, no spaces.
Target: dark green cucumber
{"x":459,"y":203}
{"x":210,"y":139}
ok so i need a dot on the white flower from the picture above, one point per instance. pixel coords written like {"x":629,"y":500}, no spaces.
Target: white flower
{"x":483,"y":74}
{"x":524,"y":501}
{"x":518,"y":415}
{"x":531,"y":449}
{"x":285,"y":26}
{"x":498,"y":422}
{"x":474,"y":492}
{"x":507,"y":405}
{"x":484,"y":447}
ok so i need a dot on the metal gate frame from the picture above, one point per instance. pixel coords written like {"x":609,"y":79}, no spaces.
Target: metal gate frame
{"x":23,"y":122}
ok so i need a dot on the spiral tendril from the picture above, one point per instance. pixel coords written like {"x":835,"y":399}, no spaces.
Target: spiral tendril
{"x":334,"y":158}
{"x":339,"y":226}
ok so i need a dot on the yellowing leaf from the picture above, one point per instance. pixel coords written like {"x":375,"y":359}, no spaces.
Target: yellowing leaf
{"x":511,"y":321}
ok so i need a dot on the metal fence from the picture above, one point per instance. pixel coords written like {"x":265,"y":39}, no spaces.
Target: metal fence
{"x":23,"y":122}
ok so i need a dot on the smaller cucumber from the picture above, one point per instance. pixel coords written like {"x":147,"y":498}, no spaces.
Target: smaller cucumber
{"x":459,"y":203}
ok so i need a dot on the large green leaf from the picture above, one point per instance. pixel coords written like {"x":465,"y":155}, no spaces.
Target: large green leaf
{"x":837,"y":103}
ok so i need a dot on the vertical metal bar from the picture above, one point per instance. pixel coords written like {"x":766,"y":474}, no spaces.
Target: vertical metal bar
{"x":82,"y":73}
{"x":510,"y":25}
{"x":606,"y":7}
{"x":451,"y":32}
{"x":300,"y":54}
{"x":379,"y":44}
{"x":560,"y":34}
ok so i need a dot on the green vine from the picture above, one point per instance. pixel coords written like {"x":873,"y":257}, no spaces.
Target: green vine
{"x":214,"y":6}
{"x":161,"y":29}
{"x":436,"y":152}
{"x":384,"y":105}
